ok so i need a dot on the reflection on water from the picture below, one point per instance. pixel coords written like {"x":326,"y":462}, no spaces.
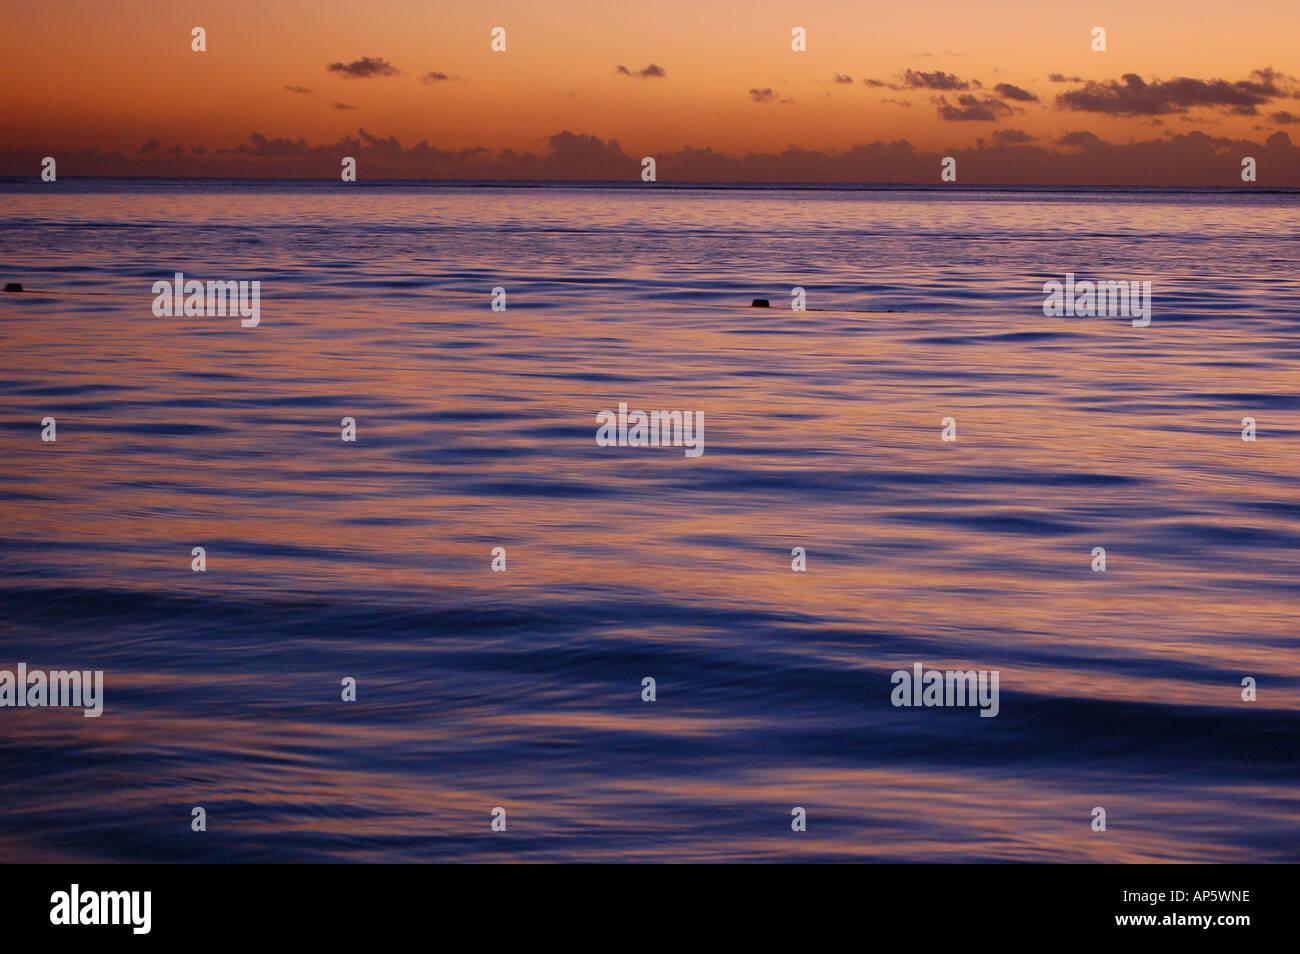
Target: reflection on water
{"x":476,"y":429}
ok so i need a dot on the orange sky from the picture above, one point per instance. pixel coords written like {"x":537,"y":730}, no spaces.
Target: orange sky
{"x":80,"y":73}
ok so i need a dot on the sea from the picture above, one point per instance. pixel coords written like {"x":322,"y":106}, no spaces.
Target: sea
{"x":905,"y":461}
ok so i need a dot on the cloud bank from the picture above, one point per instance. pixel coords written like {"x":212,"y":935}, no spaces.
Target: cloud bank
{"x":1013,"y":158}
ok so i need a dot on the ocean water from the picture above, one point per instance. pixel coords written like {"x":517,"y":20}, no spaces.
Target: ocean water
{"x":476,"y":429}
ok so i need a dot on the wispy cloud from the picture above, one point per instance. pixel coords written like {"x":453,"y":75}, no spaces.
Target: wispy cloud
{"x":919,"y":79}
{"x":767,"y":95}
{"x":651,"y":71}
{"x":938,"y":80}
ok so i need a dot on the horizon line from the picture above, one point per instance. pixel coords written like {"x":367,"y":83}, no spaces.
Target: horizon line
{"x":682,"y":184}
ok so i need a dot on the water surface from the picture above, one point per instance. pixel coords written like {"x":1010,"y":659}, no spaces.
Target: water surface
{"x":476,"y":430}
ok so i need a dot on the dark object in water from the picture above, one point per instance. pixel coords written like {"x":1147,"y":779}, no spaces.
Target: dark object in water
{"x":13,"y":286}
{"x":761,"y":303}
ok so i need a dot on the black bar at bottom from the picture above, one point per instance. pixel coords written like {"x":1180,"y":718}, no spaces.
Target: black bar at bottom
{"x":340,"y":903}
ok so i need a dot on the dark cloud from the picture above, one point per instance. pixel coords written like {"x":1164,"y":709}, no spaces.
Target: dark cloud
{"x":1133,"y":96}
{"x":278,"y":148}
{"x":151,"y":145}
{"x":1284,"y":117}
{"x":1193,"y":158}
{"x":579,"y":156}
{"x":341,"y":106}
{"x":368,"y":67}
{"x":1007,"y":91}
{"x":969,"y":107}
{"x":841,"y":78}
{"x":1084,"y":140}
{"x":650,"y":72}
{"x":939,"y":80}
{"x":1011,"y":137}
{"x":919,"y":79}
{"x":767,"y":95}
{"x":298,"y":89}
{"x":1270,"y":79}
{"x":434,"y":76}
{"x":1062,"y":78}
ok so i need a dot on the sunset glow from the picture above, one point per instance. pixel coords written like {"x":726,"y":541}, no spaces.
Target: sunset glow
{"x":656,"y":79}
